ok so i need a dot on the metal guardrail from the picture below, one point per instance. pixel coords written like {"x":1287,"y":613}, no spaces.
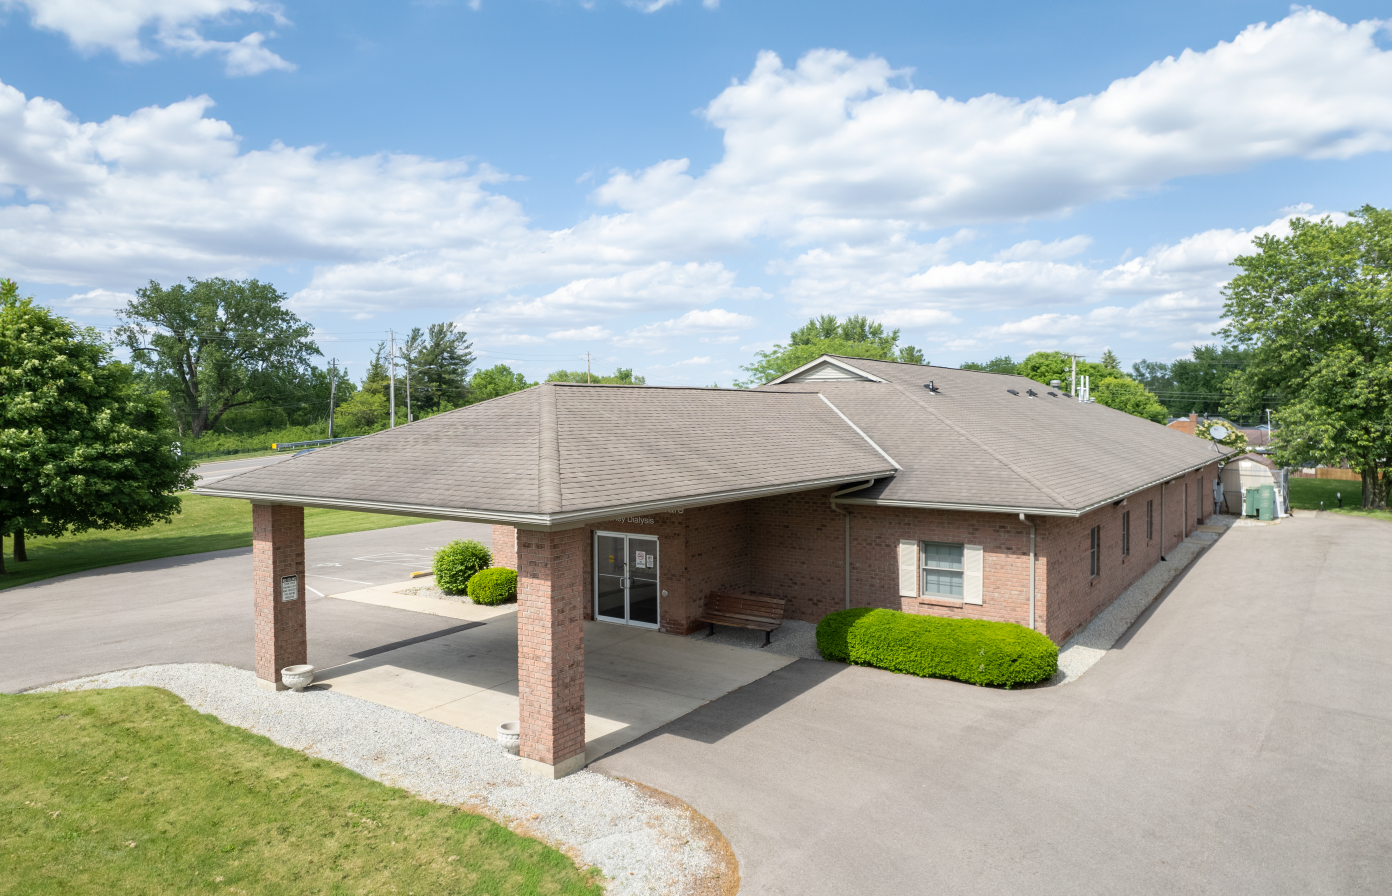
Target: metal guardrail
{"x":313,"y":443}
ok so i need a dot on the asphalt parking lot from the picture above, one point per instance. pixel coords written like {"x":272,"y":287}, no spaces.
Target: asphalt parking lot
{"x":1235,"y":741}
{"x":198,"y":608}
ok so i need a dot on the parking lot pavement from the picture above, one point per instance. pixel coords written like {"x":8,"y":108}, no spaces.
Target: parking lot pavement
{"x":198,"y":608}
{"x":1235,"y":741}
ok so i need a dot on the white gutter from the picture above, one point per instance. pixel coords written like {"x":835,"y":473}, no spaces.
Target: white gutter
{"x":543,"y":521}
{"x":847,"y":515}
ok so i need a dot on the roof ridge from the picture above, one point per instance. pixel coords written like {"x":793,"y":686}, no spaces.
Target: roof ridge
{"x":1062,"y":502}
{"x":548,"y":453}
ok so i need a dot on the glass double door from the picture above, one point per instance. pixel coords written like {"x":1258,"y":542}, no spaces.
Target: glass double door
{"x":626,"y":582}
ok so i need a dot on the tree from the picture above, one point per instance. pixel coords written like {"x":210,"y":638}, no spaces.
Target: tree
{"x":439,"y":360}
{"x":82,"y":445}
{"x":1109,"y":360}
{"x":1002,"y":364}
{"x":496,"y":382}
{"x":1195,"y":385}
{"x":621,"y":377}
{"x":217,"y":344}
{"x":1315,"y":309}
{"x":855,"y":337}
{"x":1109,"y":385}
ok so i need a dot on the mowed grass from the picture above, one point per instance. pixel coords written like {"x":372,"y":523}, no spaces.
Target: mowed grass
{"x":1306,"y":494}
{"x":203,"y":524}
{"x":130,"y":791}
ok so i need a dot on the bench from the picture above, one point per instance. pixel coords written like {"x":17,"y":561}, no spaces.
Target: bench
{"x":743,"y":611}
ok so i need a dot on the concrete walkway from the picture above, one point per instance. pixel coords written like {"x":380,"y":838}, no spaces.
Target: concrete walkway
{"x":1235,"y":741}
{"x":635,"y":679}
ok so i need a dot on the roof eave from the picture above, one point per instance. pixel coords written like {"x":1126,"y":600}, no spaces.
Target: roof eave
{"x":1034,"y":511}
{"x":543,"y":521}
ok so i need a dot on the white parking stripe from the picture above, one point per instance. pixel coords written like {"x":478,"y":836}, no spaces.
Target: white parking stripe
{"x":336,"y":579}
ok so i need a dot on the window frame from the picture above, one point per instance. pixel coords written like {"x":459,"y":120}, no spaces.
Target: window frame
{"x":1095,"y":563}
{"x":1126,"y":533}
{"x":924,"y":569}
{"x":1149,"y":519}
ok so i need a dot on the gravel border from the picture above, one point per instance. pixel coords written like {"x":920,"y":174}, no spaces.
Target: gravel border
{"x":643,"y":844}
{"x":792,"y":638}
{"x":1084,"y":649}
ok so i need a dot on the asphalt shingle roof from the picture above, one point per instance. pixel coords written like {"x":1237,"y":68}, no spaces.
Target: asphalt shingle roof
{"x":562,"y":451}
{"x":973,"y":443}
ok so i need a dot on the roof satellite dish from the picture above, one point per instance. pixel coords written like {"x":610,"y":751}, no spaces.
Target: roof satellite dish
{"x":1218,"y":432}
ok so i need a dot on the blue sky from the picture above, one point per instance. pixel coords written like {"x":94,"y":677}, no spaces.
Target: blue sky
{"x":674,"y":188}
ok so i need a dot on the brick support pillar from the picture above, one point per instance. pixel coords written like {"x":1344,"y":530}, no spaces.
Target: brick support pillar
{"x":505,"y":546}
{"x":551,"y":650}
{"x":277,"y":551}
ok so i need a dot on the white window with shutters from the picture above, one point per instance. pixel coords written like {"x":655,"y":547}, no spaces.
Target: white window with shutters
{"x":940,"y":569}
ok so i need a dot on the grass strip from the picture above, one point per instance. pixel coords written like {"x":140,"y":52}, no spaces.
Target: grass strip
{"x":1306,"y":494}
{"x":131,"y":791}
{"x":203,"y":524}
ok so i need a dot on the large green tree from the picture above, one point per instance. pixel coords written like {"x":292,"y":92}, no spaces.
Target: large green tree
{"x":621,"y":377}
{"x":1193,"y":385}
{"x":1315,"y":310}
{"x":438,"y":359}
{"x":496,"y":382}
{"x":855,"y":337}
{"x":1109,"y":385}
{"x":82,"y":445}
{"x":217,"y":344}
{"x":999,"y":364}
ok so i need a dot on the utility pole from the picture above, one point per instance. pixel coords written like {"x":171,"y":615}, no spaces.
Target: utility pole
{"x":391,"y":360}
{"x":587,"y":367}
{"x":409,"y":417}
{"x":333,"y":381}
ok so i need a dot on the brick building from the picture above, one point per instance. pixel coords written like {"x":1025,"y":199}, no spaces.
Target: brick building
{"x":846,"y":483}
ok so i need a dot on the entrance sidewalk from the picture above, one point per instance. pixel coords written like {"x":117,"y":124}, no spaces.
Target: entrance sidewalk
{"x":636,"y":679}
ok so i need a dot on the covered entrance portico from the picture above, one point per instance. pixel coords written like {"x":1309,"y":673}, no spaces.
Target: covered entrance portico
{"x":531,"y":461}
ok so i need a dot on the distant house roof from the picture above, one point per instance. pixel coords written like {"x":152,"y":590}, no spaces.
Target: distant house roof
{"x":560,"y":453}
{"x":973,"y":443}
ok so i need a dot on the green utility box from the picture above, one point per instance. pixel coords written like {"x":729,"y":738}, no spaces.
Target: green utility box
{"x":1252,"y":499}
{"x":1266,"y":502}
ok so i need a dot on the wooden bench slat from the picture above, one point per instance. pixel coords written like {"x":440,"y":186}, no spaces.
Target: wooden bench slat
{"x":744,"y":611}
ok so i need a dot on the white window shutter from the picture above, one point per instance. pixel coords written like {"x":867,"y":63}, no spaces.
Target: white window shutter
{"x":908,"y":568}
{"x":971,"y":573}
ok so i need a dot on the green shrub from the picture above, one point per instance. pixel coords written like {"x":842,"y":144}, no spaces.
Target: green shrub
{"x":494,"y":586}
{"x":976,"y":651}
{"x":457,"y":562}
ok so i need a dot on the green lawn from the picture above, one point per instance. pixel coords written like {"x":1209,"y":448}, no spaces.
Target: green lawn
{"x":131,"y":791}
{"x":1306,"y":494}
{"x":204,"y":524}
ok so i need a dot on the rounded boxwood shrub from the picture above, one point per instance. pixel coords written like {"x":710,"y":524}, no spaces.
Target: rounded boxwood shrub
{"x":494,"y":586}
{"x":976,"y":651}
{"x":457,"y":562}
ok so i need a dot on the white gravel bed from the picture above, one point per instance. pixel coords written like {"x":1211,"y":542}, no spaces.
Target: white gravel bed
{"x":792,"y":638}
{"x":1092,"y":643}
{"x":644,"y":846}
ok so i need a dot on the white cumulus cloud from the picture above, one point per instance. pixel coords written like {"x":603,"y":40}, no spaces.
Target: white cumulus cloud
{"x":115,"y":25}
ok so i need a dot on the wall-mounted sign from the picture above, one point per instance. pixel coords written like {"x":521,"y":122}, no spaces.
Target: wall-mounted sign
{"x":289,"y":588}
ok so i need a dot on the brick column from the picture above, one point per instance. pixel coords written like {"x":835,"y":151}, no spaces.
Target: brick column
{"x":277,"y":550}
{"x":551,"y":650}
{"x":505,"y":546}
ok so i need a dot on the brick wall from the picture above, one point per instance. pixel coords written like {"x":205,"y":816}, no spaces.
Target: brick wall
{"x":505,"y":546}
{"x":551,"y":644}
{"x":277,"y":549}
{"x":1075,"y":596}
{"x":799,"y":555}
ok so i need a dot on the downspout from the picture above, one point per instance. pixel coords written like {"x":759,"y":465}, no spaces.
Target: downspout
{"x":1031,"y":525}
{"x":847,"y":514}
{"x":1162,"y":523}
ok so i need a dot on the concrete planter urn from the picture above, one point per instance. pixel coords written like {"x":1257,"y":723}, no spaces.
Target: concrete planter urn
{"x":510,"y":736}
{"x":297,"y":677}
